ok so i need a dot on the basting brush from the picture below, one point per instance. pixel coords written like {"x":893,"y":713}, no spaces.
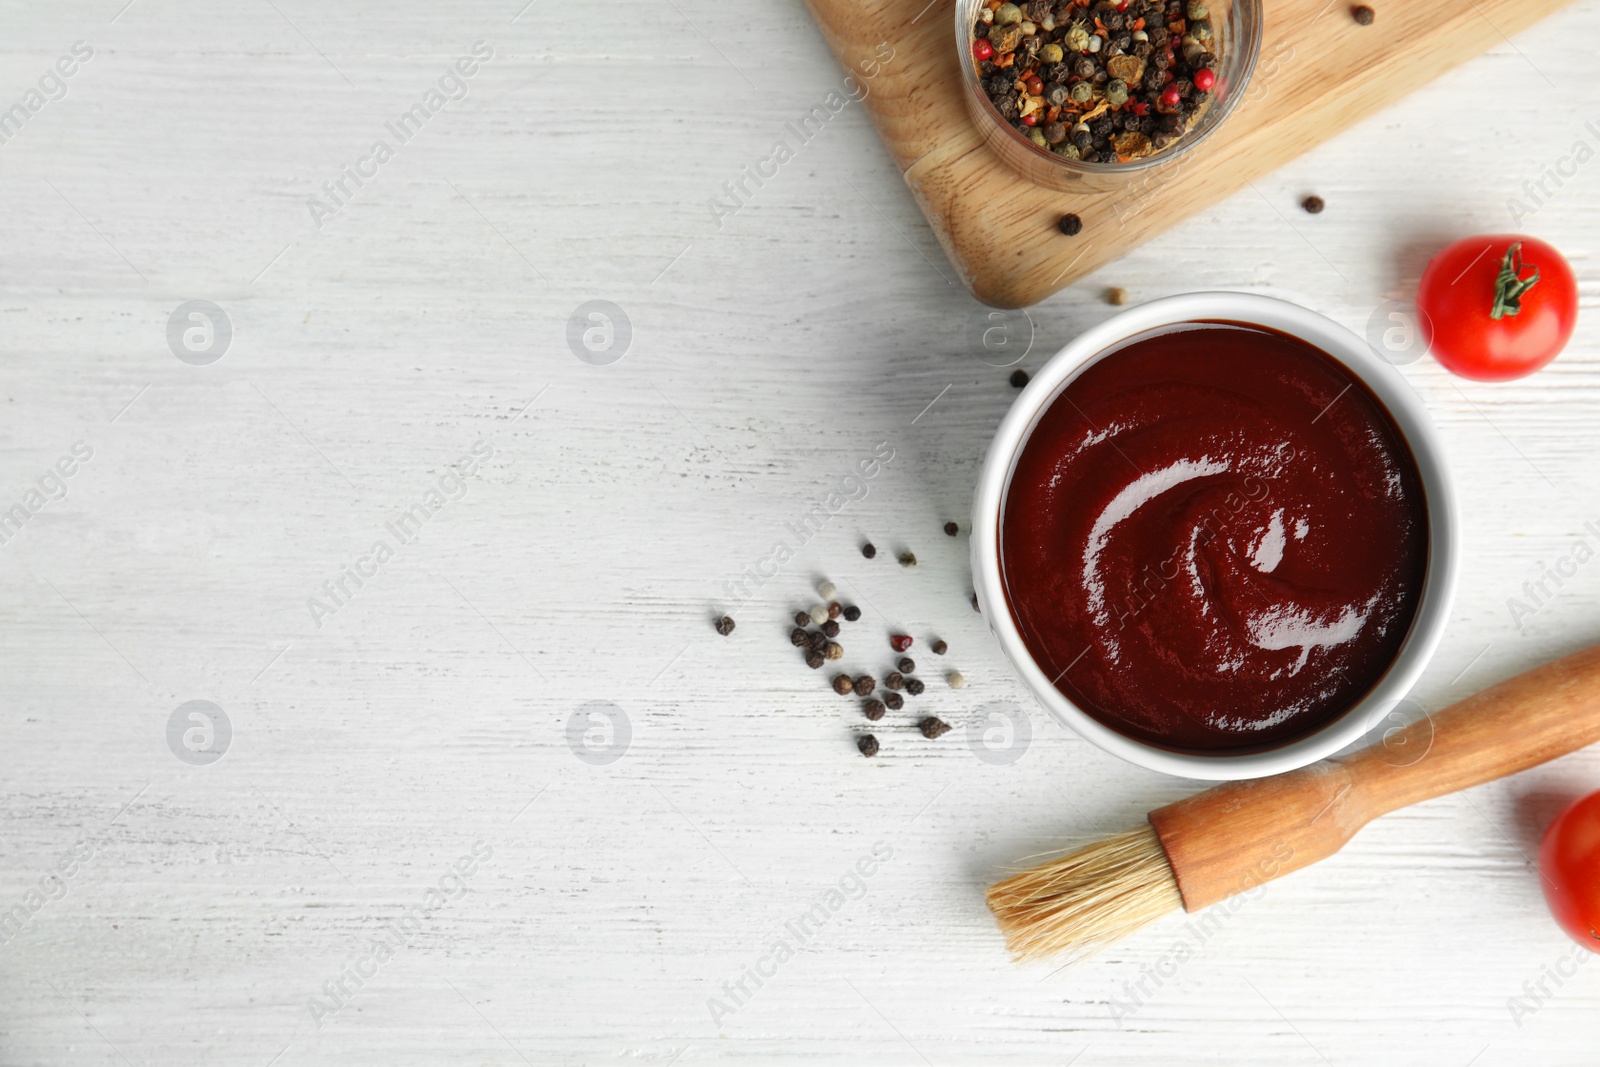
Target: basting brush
{"x":1234,"y":837}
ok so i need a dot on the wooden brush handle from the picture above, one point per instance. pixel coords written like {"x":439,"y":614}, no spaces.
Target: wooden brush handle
{"x":1232,"y":838}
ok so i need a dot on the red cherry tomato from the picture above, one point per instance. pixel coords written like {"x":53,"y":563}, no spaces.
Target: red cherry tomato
{"x":1497,"y":306}
{"x":1569,"y":861}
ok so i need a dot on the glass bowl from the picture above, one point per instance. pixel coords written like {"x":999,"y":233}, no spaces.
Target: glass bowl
{"x":1236,"y":30}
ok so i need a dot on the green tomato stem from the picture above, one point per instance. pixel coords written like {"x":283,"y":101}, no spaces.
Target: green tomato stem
{"x":1510,"y":285}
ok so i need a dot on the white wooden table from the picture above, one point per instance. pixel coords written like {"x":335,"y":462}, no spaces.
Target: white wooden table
{"x":617,"y":899}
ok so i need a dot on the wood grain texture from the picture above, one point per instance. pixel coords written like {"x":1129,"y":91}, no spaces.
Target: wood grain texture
{"x":1237,"y":836}
{"x":770,"y":354}
{"x":1318,"y":74}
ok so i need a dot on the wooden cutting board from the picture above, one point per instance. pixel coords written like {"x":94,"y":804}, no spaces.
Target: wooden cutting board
{"x":1318,"y":73}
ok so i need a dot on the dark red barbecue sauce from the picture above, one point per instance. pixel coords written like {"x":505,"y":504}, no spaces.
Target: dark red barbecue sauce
{"x":1215,"y":539}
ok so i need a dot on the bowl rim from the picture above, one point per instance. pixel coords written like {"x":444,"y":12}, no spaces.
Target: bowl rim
{"x":1239,"y":86}
{"x":1404,"y":407}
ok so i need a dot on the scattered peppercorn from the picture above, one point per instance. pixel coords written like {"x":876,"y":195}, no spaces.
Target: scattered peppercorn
{"x":802,"y":618}
{"x":956,"y":679}
{"x":1313,"y":205}
{"x":908,"y":559}
{"x":817,"y":641}
{"x":894,"y":680}
{"x":952,"y":528}
{"x":834,"y":650}
{"x":899,"y":642}
{"x":907,"y":665}
{"x":851,"y":613}
{"x":827,"y":590}
{"x":894,"y":700}
{"x":939,"y":647}
{"x":814,"y":660}
{"x":725,"y":626}
{"x":842,"y":684}
{"x":866,"y":684}
{"x":819,"y":613}
{"x":873,"y":709}
{"x":830,"y":628}
{"x":869,"y":550}
{"x":1117,"y":295}
{"x":1363,"y":14}
{"x":914,"y":686}
{"x":868,"y":745}
{"x":1019,"y":378}
{"x":1070,"y":224}
{"x":798,"y":637}
{"x":835,"y":609}
{"x":933,"y":728}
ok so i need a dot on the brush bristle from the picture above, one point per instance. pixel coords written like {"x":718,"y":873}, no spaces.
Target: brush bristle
{"x":1087,"y":898}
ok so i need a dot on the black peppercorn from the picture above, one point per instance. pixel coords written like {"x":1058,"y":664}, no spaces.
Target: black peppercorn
{"x":914,"y":686}
{"x":907,"y":665}
{"x":1363,"y":14}
{"x":830,"y":628}
{"x":1313,"y":205}
{"x":842,"y":684}
{"x":816,"y":640}
{"x":872,"y":709}
{"x":952,"y":528}
{"x":895,"y":680}
{"x":851,"y":613}
{"x":798,"y":638}
{"x":869,"y":550}
{"x":866,"y":684}
{"x":1070,"y":224}
{"x":939,"y":647}
{"x":1019,"y":378}
{"x":725,"y":626}
{"x":933,"y":728}
{"x":868,"y":745}
{"x":815,"y":659}
{"x":802,"y":618}
{"x":908,"y":559}
{"x":894,"y":700}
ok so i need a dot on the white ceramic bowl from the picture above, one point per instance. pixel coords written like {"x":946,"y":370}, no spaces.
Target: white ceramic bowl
{"x":1438,"y":589}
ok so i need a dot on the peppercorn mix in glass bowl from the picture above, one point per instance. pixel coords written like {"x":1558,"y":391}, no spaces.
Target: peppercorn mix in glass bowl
{"x":1097,"y":91}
